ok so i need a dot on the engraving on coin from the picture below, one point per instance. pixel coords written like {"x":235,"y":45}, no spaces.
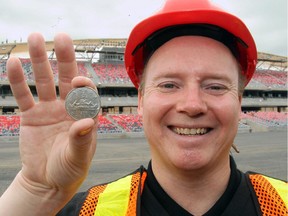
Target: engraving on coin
{"x":83,"y":102}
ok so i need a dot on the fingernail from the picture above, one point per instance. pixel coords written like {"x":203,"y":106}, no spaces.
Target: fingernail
{"x":84,"y":132}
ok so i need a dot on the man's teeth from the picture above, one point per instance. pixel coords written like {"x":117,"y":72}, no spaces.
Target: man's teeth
{"x":190,"y":131}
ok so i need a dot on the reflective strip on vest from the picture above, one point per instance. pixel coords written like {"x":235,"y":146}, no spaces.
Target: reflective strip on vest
{"x":281,"y":187}
{"x":115,"y":198}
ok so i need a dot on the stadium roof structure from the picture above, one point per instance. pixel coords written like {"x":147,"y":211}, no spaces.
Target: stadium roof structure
{"x":5,"y":50}
{"x":271,"y":62}
{"x":90,"y":49}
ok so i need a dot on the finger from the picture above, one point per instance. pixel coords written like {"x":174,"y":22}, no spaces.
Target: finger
{"x":67,"y":65}
{"x":18,"y":84}
{"x":81,"y":81}
{"x":82,"y":144}
{"x":42,"y":70}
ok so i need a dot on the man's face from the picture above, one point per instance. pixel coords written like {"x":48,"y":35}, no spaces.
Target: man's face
{"x":190,"y":103}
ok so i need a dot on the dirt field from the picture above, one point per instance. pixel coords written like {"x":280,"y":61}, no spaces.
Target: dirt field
{"x":264,"y":152}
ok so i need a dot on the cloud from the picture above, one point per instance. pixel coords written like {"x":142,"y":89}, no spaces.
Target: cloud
{"x":266,"y":19}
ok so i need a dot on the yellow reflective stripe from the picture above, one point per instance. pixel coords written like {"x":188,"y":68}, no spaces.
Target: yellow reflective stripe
{"x":281,"y":187}
{"x":114,"y":199}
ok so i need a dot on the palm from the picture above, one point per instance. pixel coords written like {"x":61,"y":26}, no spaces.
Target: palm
{"x":43,"y":128}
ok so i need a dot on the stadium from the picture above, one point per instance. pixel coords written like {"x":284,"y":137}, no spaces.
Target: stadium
{"x":264,"y":105}
{"x":262,"y":137}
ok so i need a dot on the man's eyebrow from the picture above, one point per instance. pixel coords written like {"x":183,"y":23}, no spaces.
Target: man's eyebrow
{"x":166,"y":75}
{"x":202,"y":75}
{"x":218,"y":76}
{"x":215,"y":77}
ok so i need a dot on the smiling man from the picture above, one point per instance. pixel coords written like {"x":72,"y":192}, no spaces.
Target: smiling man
{"x":189,"y":132}
{"x":190,"y":63}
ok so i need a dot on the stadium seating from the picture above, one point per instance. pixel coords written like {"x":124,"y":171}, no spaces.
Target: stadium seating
{"x":82,"y":70}
{"x":119,"y":123}
{"x":271,"y":78}
{"x":111,"y":73}
{"x":269,"y":119}
{"x":129,"y":122}
{"x":9,"y":125}
{"x":28,"y":71}
{"x":115,"y":73}
{"x":106,"y":126}
{"x":280,"y":75}
{"x":26,"y":65}
{"x":27,"y":68}
{"x":3,"y":74}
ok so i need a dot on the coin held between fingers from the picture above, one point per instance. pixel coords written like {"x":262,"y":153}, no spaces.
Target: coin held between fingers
{"x":83,"y":102}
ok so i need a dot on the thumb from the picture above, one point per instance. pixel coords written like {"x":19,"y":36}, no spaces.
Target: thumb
{"x":82,"y":142}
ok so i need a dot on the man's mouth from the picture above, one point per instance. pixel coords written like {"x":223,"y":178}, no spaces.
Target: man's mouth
{"x":190,"y":131}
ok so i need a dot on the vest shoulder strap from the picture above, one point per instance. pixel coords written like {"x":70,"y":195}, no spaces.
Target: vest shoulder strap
{"x":271,"y":193}
{"x":117,"y":198}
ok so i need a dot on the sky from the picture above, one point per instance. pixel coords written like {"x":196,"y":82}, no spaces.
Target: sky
{"x":90,"y":19}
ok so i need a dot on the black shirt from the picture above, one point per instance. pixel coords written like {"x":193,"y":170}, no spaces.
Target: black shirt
{"x":236,"y":200}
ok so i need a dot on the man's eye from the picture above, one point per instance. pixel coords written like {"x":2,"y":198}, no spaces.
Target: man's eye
{"x":168,"y":85}
{"x":216,"y":89}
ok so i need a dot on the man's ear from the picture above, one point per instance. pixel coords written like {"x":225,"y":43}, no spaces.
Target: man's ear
{"x":140,"y":103}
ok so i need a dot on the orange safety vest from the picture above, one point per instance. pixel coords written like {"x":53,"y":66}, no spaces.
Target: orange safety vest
{"x":119,"y":198}
{"x":272,"y":194}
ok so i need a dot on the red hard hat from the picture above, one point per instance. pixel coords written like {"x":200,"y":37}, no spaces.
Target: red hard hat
{"x":189,"y":12}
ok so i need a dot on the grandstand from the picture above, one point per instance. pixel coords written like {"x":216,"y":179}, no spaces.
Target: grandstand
{"x":264,"y":105}
{"x":6,"y":50}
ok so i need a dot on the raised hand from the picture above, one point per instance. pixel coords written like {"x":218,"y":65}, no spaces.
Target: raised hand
{"x":55,"y":150}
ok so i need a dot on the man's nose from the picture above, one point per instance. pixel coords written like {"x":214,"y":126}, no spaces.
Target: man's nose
{"x":192,"y":102}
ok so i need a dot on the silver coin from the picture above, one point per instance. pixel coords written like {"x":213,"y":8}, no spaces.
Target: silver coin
{"x":83,"y":102}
